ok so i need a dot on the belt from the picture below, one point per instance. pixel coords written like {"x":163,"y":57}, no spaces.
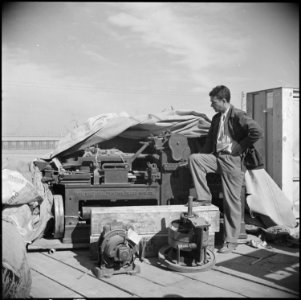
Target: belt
{"x":225,"y":153}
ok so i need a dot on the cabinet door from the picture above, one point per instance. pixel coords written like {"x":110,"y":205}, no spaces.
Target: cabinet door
{"x":296,"y":129}
{"x":296,"y":158}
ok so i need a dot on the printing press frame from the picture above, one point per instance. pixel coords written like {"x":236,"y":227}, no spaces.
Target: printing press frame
{"x":157,"y":174}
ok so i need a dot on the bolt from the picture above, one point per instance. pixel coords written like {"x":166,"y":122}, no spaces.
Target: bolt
{"x":51,"y":251}
{"x":190,"y":199}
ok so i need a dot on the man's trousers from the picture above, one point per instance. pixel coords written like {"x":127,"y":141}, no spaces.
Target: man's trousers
{"x":229,"y":167}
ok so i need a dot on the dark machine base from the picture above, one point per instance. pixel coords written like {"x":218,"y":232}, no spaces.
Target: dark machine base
{"x":109,"y":272}
{"x":167,"y":257}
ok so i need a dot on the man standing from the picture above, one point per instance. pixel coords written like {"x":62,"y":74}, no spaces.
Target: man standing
{"x":230,"y":134}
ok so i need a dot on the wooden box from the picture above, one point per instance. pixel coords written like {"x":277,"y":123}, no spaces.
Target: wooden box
{"x":277,"y":112}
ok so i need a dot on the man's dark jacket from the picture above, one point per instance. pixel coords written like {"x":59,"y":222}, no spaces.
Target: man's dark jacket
{"x":243,"y":129}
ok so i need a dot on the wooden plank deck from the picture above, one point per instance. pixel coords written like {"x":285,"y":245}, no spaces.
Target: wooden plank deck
{"x":247,"y":272}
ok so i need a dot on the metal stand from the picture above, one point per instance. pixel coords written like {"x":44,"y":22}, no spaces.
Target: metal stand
{"x":187,"y":244}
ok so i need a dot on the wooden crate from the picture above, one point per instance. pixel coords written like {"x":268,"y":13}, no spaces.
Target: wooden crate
{"x":277,"y":112}
{"x":150,"y":222}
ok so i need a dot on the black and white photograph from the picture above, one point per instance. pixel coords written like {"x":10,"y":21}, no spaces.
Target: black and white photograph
{"x":150,"y":149}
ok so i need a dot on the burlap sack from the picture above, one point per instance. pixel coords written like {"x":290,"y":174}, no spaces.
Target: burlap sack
{"x":16,"y":276}
{"x":16,"y":189}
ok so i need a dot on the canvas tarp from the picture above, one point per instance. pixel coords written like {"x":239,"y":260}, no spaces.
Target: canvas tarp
{"x":104,"y":127}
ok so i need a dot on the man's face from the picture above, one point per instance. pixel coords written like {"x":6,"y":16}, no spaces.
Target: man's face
{"x":219,"y":105}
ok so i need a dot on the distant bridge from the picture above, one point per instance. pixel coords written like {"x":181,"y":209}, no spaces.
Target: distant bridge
{"x":29,"y":142}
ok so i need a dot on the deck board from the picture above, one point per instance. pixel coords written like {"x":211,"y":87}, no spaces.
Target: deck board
{"x":280,"y":271}
{"x":228,"y":278}
{"x":44,"y":287}
{"x":149,"y":271}
{"x":136,"y":285}
{"x":195,"y":288}
{"x":237,"y":285}
{"x":151,"y":282}
{"x":73,"y":278}
{"x":229,"y":283}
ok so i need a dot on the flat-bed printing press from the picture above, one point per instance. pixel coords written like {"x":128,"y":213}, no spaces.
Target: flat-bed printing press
{"x":156,"y":174}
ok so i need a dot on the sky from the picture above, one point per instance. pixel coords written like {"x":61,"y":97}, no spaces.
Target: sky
{"x":64,"y":62}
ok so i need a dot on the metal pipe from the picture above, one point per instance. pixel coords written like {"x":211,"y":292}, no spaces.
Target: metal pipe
{"x":190,"y":199}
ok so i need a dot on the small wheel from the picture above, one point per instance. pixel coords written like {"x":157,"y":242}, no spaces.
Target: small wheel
{"x":59,"y":217}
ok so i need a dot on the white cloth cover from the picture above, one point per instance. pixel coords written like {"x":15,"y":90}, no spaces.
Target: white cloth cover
{"x":265,"y":197}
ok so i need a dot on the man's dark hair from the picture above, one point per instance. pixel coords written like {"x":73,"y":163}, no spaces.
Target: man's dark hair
{"x":221,"y":92}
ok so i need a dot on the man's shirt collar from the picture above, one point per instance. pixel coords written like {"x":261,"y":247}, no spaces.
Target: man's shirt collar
{"x":226,"y":112}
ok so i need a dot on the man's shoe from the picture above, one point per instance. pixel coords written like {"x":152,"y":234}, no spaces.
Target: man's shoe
{"x":228,"y":247}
